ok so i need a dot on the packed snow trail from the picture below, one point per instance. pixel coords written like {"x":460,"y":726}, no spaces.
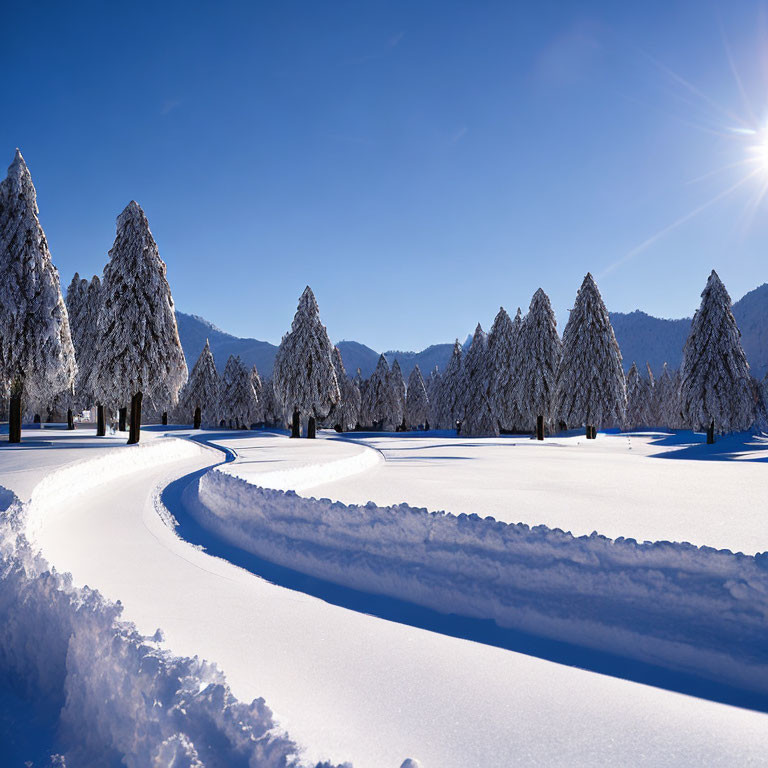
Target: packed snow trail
{"x":348,"y":686}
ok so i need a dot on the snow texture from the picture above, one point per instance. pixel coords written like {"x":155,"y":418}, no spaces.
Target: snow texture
{"x":119,"y":699}
{"x":36,"y":350}
{"x":139,"y":348}
{"x":687,"y":608}
{"x":538,"y":358}
{"x":715,"y":383}
{"x":239,"y":407}
{"x":202,"y":390}
{"x":258,"y":389}
{"x":479,"y":417}
{"x":416,"y":400}
{"x":590,"y":382}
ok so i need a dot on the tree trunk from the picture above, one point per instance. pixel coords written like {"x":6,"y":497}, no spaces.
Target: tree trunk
{"x":589,"y":432}
{"x":311,"y":428}
{"x":135,"y":432}
{"x":70,"y":419}
{"x":165,"y":418}
{"x":426,"y":426}
{"x":198,"y":418}
{"x":101,"y":421}
{"x":296,"y":425}
{"x":711,"y":433}
{"x":540,"y":427}
{"x":122,"y":415}
{"x":14,"y":422}
{"x":36,"y":419}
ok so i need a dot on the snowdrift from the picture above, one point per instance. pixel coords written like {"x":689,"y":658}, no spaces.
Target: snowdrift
{"x":685,"y":608}
{"x":114,"y":696}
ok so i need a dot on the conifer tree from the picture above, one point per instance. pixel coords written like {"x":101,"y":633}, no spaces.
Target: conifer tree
{"x":273,"y":411}
{"x":201,"y":395}
{"x":450,"y":396}
{"x":590,"y":387}
{"x":637,"y":400}
{"x":381,"y":399}
{"x":433,"y":395}
{"x":479,"y":416}
{"x":303,"y":374}
{"x":397,"y":385}
{"x":651,"y":410}
{"x":503,"y":342}
{"x":346,"y":413}
{"x":416,"y":400}
{"x":139,"y":352}
{"x":258,"y":388}
{"x":715,"y":384}
{"x":361,"y":384}
{"x":239,"y":405}
{"x":37,"y":356}
{"x":537,"y":362}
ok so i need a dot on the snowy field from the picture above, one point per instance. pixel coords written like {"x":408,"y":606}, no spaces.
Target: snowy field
{"x":349,"y":686}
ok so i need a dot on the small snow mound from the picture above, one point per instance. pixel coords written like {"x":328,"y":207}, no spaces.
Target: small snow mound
{"x":409,"y":762}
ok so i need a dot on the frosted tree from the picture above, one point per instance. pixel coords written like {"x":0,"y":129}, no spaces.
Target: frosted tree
{"x":416,"y":401}
{"x":139,"y":352}
{"x":304,"y":376}
{"x":715,"y":384}
{"x":397,"y":383}
{"x":479,"y":416}
{"x":381,"y":404}
{"x":239,"y":406}
{"x":361,"y":384}
{"x":273,"y":410}
{"x":652,"y":413}
{"x":450,"y":396}
{"x":537,"y":360}
{"x":432,"y":385}
{"x":258,"y":388}
{"x":346,"y":413}
{"x":37,"y":356}
{"x":590,"y":386}
{"x":503,"y":343}
{"x":639,"y":410}
{"x":201,"y":394}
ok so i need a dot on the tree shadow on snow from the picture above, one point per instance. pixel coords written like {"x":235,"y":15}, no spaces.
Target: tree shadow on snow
{"x":476,"y":630}
{"x":741,"y":446}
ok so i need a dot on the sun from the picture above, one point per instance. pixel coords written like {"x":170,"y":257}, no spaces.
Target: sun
{"x":757,"y":151}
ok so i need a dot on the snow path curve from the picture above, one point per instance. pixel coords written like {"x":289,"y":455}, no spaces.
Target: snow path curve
{"x":352,"y":687}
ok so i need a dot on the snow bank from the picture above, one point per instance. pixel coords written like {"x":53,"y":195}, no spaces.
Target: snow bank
{"x":118,"y":698}
{"x":687,"y":608}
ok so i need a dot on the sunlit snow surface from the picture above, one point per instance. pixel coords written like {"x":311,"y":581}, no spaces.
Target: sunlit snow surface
{"x":350,"y":686}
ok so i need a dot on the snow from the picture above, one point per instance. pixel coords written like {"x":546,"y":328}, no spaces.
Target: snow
{"x":347,"y":685}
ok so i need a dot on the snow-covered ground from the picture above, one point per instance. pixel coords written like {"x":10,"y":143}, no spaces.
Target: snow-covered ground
{"x":646,"y":486}
{"x":346,"y":685}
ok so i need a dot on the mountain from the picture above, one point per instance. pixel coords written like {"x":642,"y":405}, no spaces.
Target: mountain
{"x":642,"y":339}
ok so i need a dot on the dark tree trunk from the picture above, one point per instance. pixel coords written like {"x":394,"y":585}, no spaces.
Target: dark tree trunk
{"x":198,"y":418}
{"x":101,"y":421}
{"x":122,"y":417}
{"x":540,"y":427}
{"x":70,"y":419}
{"x":403,"y":426}
{"x":135,"y":432}
{"x":165,"y":418}
{"x":338,"y":427}
{"x":36,"y":418}
{"x":711,"y":433}
{"x":590,"y":432}
{"x":296,"y":425}
{"x":426,"y":426}
{"x":311,"y":428}
{"x":14,"y":422}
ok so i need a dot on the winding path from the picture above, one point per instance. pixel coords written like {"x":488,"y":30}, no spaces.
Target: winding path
{"x":351,"y":686}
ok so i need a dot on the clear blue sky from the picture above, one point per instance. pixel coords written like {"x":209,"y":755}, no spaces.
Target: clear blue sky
{"x":417,"y":163}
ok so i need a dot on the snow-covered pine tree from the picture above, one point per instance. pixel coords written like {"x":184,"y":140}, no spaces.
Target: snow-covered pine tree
{"x":37,"y":356}
{"x":346,"y":413}
{"x":590,"y":387}
{"x":273,"y":410}
{"x":450,"y":395}
{"x":397,"y":383}
{"x":503,"y":352}
{"x":479,"y":416}
{"x":381,"y":403}
{"x":87,"y":344}
{"x":432,"y":385}
{"x":361,"y":384}
{"x":303,"y":373}
{"x":258,"y":388}
{"x":652,"y":415}
{"x":200,"y":397}
{"x":715,"y":384}
{"x":416,"y":401}
{"x":636,"y":414}
{"x":139,"y":353}
{"x":539,"y":350}
{"x":239,"y":406}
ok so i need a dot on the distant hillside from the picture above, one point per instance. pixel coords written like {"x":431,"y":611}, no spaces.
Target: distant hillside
{"x":641,"y":338}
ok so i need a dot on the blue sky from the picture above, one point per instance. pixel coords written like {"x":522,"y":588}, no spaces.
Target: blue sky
{"x":419,"y":164}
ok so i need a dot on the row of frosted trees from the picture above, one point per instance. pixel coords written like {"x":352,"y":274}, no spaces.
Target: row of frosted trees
{"x":115,"y":345}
